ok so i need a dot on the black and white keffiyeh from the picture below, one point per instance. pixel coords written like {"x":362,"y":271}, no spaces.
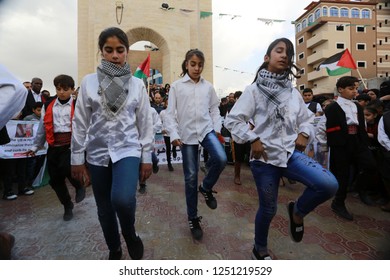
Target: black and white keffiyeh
{"x":276,"y":88}
{"x":113,"y":80}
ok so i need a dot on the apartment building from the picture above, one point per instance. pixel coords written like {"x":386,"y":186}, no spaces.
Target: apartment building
{"x":329,"y":27}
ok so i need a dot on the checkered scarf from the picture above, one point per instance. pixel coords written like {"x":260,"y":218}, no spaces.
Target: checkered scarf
{"x":113,"y":81}
{"x":276,"y":89}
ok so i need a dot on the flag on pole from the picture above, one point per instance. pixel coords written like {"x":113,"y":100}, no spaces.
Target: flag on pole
{"x":339,"y":64}
{"x":143,"y":71}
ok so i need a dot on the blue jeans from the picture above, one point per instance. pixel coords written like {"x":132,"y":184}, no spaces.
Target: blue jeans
{"x":320,"y":184}
{"x":114,"y":188}
{"x":215,"y":166}
{"x":154,"y":158}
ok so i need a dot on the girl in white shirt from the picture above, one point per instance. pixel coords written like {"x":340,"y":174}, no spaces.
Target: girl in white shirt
{"x":193,"y":118}
{"x":113,"y":126}
{"x":281,"y":133}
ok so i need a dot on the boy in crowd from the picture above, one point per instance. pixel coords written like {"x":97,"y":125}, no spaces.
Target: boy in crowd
{"x":343,"y":130}
{"x":55,"y":127}
{"x":36,"y":115}
{"x":314,"y":107}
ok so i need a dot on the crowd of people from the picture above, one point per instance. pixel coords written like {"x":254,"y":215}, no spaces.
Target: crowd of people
{"x":102,"y":135}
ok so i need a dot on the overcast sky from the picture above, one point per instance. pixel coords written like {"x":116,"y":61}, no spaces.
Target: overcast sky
{"x":39,"y":38}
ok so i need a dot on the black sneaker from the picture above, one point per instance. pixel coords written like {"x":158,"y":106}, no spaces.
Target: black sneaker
{"x":80,"y":194}
{"x":208,"y":196}
{"x":68,"y":214}
{"x":142,"y":188}
{"x":10,"y":196}
{"x":27,"y":191}
{"x":195,"y":228}
{"x":115,"y":255}
{"x":341,"y":211}
{"x":135,"y":247}
{"x":256,"y":255}
{"x":295,"y":230}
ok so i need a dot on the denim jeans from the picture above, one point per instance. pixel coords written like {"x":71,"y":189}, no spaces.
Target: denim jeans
{"x":114,"y":188}
{"x":320,"y":184}
{"x":215,"y":166}
{"x":154,"y":158}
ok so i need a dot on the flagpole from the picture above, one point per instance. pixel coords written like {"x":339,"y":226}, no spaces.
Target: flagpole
{"x":361,"y":78}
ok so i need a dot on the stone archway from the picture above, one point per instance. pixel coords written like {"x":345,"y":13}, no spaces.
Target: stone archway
{"x":173,"y":31}
{"x":157,"y":60}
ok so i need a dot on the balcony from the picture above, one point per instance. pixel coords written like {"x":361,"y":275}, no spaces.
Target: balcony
{"x":315,"y":75}
{"x":316,"y":40}
{"x":318,"y":56}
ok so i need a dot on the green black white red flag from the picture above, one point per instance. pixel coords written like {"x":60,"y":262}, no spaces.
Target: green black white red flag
{"x":339,"y":64}
{"x":143,"y":71}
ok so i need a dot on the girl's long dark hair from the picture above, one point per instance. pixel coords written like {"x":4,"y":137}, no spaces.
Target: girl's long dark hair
{"x":188,"y":56}
{"x":290,"y":55}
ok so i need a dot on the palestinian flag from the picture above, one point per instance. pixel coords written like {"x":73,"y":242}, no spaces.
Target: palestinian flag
{"x":339,"y":64}
{"x":143,"y":71}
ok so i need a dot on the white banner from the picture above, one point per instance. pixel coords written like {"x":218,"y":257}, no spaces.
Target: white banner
{"x":22,"y":135}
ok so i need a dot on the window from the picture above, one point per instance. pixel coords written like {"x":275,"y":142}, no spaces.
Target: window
{"x":344,"y":12}
{"x":300,"y":40}
{"x":360,"y":29}
{"x":340,"y":46}
{"x":301,"y":87}
{"x":340,"y":27}
{"x":311,"y":19}
{"x":324,"y":11}
{"x":386,"y":56}
{"x":355,"y":13}
{"x":386,"y":21}
{"x":304,"y":23}
{"x":361,"y":64}
{"x":334,"y":12}
{"x":361,"y":47}
{"x":317,"y":14}
{"x":299,"y":28}
{"x":303,"y":71}
{"x":301,"y":56}
{"x":366,"y":13}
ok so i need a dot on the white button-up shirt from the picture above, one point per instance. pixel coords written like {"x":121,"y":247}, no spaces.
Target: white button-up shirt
{"x":61,"y":122}
{"x":351,"y":114}
{"x":383,"y":139}
{"x":192,"y":110}
{"x":128,"y":134}
{"x":277,"y":136}
{"x":350,"y":109}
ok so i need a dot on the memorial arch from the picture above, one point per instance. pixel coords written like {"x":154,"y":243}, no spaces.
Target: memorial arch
{"x":171,"y":31}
